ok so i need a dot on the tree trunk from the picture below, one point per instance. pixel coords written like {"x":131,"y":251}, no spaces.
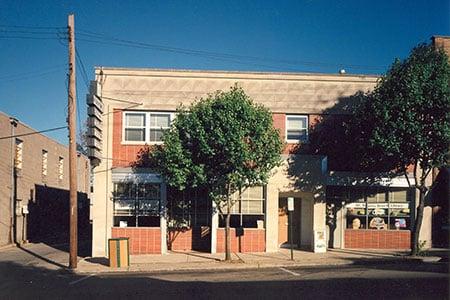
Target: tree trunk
{"x":418,"y":222}
{"x":227,"y":232}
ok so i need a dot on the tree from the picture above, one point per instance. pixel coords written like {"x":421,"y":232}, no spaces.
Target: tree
{"x":409,"y":110}
{"x":82,"y":139}
{"x":223,"y":143}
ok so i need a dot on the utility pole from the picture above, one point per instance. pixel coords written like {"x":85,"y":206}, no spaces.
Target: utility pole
{"x":73,"y":254}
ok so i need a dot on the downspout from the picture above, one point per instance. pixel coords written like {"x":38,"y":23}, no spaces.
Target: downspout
{"x":12,"y":237}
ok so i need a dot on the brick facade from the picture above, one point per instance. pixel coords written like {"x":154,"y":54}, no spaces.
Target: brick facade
{"x":253,"y":240}
{"x":442,"y":42}
{"x":377,"y":239}
{"x":197,"y":238}
{"x":44,"y":195}
{"x":124,"y":155}
{"x":143,"y":240}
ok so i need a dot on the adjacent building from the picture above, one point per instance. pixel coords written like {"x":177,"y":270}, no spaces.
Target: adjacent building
{"x":130,"y":108}
{"x":34,"y":183}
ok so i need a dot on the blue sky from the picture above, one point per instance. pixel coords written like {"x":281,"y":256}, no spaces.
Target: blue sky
{"x":301,"y":36}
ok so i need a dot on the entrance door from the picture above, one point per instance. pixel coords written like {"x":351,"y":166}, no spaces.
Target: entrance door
{"x":283,"y":223}
{"x":283,"y":236}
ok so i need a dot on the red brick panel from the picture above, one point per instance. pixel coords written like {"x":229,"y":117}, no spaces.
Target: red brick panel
{"x":253,"y":240}
{"x":377,"y":239}
{"x":279,"y":122}
{"x":123,"y":155}
{"x":180,"y":239}
{"x":143,"y":240}
{"x":197,"y":238}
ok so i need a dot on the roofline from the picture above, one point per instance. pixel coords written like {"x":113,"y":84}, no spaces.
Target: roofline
{"x":98,"y":68}
{"x":440,"y":36}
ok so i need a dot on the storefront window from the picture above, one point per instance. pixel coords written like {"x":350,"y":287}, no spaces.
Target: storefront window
{"x":188,"y":208}
{"x":248,"y":209}
{"x":251,"y":201}
{"x":136,"y":204}
{"x":378,"y":208}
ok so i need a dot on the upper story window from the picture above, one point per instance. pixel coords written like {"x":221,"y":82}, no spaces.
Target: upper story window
{"x":296,"y":128}
{"x":44,"y":162}
{"x":19,"y":154}
{"x":135,"y":127}
{"x":145,"y":127}
{"x":158,"y":123}
{"x":60,"y":168}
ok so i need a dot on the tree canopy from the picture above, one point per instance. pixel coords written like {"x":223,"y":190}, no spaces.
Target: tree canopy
{"x":409,"y":112}
{"x":410,"y":109}
{"x":222,"y":141}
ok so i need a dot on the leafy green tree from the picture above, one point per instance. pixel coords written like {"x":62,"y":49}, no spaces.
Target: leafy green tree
{"x":410,"y":114}
{"x":223,"y":143}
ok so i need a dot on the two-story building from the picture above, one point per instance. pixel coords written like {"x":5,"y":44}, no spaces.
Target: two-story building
{"x":129,"y":110}
{"x":34,"y":186}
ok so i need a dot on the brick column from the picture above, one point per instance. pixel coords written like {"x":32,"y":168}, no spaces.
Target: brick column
{"x":214,"y":226}
{"x":163,"y":218}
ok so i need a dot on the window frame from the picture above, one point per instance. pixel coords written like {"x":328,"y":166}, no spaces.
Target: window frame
{"x":18,"y":154}
{"x":60,"y":168}
{"x":124,"y":126}
{"x":243,"y":207}
{"x":44,"y":163}
{"x":286,"y":129}
{"x":146,"y":127}
{"x":391,"y":205}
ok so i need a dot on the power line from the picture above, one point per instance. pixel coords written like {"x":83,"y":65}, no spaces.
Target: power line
{"x":83,"y":69}
{"x":36,"y":72}
{"x":31,"y":133}
{"x":192,"y":54}
{"x":209,"y":54}
{"x":33,"y":27}
{"x":30,"y":76}
{"x":118,"y":100}
{"x":29,"y":31}
{"x":28,"y":37}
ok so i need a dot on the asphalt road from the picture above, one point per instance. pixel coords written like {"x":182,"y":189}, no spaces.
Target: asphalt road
{"x":399,"y":281}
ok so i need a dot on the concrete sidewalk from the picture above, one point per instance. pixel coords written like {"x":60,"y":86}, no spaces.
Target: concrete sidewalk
{"x":183,"y":261}
{"x":55,"y":257}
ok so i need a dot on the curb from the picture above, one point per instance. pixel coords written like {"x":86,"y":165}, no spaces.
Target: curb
{"x":9,"y":246}
{"x":253,"y":266}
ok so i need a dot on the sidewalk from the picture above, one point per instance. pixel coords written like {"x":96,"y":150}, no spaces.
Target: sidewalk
{"x":183,"y":261}
{"x":55,"y":257}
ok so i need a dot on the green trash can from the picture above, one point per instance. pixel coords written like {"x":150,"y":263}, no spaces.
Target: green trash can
{"x":119,"y":252}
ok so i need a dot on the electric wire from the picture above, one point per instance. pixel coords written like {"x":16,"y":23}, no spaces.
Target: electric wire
{"x":83,"y":69}
{"x":32,"y":74}
{"x":28,"y":38}
{"x":191,"y":54}
{"x":210,"y":54}
{"x":32,"y":27}
{"x":31,"y":133}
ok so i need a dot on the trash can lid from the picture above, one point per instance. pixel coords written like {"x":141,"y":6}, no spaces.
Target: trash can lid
{"x":119,"y":239}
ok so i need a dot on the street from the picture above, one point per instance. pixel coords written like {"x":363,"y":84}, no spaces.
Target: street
{"x":27,"y":276}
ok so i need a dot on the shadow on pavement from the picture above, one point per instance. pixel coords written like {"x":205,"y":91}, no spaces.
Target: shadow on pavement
{"x":21,"y":281}
{"x":41,"y":257}
{"x":98,"y":260}
{"x":199,"y":255}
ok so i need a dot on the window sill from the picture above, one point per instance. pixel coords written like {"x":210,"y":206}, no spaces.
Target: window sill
{"x":127,"y":143}
{"x":297,"y":141}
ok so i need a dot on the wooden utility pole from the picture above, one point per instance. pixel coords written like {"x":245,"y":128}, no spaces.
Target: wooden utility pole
{"x":72,"y":147}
